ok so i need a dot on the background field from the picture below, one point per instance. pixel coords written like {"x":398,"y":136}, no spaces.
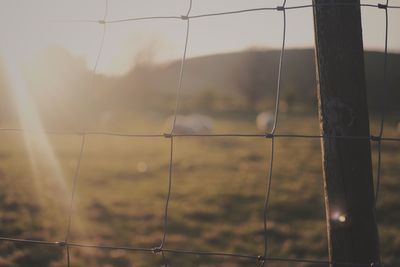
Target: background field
{"x":216,"y":203}
{"x":219,"y":183}
{"x":71,"y":76}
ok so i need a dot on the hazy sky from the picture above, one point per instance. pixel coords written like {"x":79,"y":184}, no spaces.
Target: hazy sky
{"x":27,"y":26}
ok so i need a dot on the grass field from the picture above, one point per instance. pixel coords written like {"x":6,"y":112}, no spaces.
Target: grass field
{"x":216,"y":204}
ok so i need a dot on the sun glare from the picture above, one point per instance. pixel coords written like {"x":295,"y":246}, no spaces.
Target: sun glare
{"x":43,"y":160}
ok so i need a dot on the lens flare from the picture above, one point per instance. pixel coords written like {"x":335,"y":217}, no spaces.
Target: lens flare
{"x":339,"y":217}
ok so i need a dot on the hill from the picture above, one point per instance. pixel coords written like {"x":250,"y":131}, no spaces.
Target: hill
{"x":231,"y":73}
{"x":243,"y":80}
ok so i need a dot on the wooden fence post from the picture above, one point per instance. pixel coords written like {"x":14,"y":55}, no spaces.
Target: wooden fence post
{"x":348,"y":180}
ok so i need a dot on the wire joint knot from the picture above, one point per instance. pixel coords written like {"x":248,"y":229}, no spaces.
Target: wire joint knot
{"x":156,"y":250}
{"x":280,"y":8}
{"x":382,"y":6}
{"x":269,"y":135}
{"x":261,"y":260}
{"x":61,"y":243}
{"x":376,"y":138}
{"x":168,"y":135}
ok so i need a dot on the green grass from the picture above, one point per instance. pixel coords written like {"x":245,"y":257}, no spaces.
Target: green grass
{"x":218,"y":191}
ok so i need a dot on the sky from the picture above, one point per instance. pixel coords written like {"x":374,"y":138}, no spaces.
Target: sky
{"x":27,"y":27}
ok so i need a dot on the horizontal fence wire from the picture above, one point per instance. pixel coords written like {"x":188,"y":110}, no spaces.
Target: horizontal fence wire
{"x":169,"y":135}
{"x":162,"y":249}
{"x":275,"y":8}
{"x":156,"y":250}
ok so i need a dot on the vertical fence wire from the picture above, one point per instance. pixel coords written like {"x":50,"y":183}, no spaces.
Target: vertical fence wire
{"x":171,"y":137}
{"x":383,"y":108}
{"x":271,"y":134}
{"x":383,"y":98}
{"x":83,"y":139}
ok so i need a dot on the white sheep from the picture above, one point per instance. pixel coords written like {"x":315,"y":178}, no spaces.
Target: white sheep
{"x":201,"y":124}
{"x":265,"y":121}
{"x":191,"y":124}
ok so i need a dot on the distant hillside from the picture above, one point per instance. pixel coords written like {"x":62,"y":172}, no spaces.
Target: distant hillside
{"x":226,"y":73}
{"x":59,"y":83}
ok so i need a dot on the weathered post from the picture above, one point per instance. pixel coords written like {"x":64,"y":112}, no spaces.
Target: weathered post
{"x":348,"y":180}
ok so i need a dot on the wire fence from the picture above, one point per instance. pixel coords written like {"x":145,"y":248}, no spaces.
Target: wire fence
{"x":161,"y":249}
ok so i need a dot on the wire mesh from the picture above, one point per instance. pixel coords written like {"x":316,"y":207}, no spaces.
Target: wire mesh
{"x":161,"y":249}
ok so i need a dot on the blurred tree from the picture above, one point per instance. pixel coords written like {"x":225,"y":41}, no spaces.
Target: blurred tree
{"x":207,"y":100}
{"x":251,"y":78}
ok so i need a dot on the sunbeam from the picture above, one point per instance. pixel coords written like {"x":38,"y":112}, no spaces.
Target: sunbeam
{"x":45,"y":166}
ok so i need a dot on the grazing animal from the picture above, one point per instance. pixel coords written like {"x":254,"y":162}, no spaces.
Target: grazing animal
{"x":265,"y":121}
{"x":191,"y":124}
